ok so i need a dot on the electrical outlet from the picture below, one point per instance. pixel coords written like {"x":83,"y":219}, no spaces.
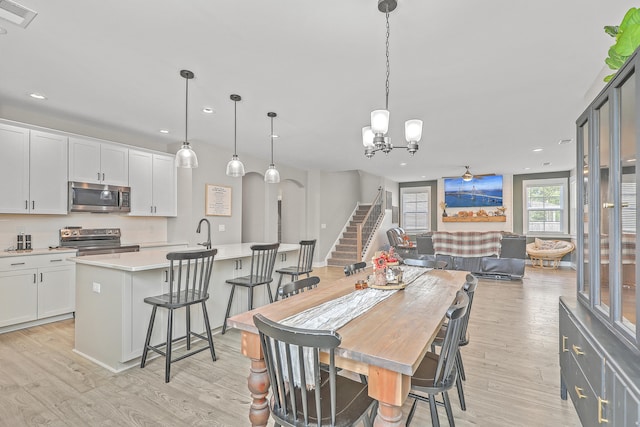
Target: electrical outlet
{"x":323,"y":225}
{"x":96,"y":287}
{"x":221,"y":227}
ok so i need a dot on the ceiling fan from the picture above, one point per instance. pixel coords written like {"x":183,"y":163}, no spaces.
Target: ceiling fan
{"x":468,"y":176}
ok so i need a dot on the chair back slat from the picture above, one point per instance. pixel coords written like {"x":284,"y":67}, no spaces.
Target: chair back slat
{"x":354,"y":268}
{"x":469,"y":288}
{"x":291,"y":401}
{"x":305,"y":256}
{"x":263,"y":260}
{"x":189,"y":274}
{"x":297,"y":286}
{"x":455,"y":315}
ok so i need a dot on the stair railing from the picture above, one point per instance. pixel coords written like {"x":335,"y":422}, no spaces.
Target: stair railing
{"x":369,"y":224}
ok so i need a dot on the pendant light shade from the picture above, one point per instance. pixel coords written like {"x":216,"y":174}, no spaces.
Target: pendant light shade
{"x":467,"y":176}
{"x":272,"y":176}
{"x":235,"y":168}
{"x":367,"y":137}
{"x":186,"y":157}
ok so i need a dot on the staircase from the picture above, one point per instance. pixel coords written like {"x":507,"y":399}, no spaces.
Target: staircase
{"x":346,"y":249}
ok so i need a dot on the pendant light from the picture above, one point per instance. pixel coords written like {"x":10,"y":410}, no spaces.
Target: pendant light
{"x":272,"y":176}
{"x":186,"y":157}
{"x":235,"y":167}
{"x":467,"y":176}
{"x":374,"y":137}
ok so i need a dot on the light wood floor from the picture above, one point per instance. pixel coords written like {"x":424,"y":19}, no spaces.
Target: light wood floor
{"x":511,"y":364}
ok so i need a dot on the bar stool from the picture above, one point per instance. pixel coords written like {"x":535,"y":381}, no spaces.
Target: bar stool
{"x":263,"y":260}
{"x":190,"y":273}
{"x":305,"y":264}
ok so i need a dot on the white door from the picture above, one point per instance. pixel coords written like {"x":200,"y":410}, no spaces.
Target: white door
{"x":56,"y":291}
{"x":14,"y":169}
{"x":48,"y":173}
{"x":164,"y":185}
{"x":114,"y":162}
{"x":18,"y":297}
{"x":84,"y":160}
{"x":140,"y":181}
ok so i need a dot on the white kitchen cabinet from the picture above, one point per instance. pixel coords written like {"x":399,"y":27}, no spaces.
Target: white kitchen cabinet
{"x":18,"y":296}
{"x":152,"y":178}
{"x":98,"y":162}
{"x":33,"y":172}
{"x":35,"y":288}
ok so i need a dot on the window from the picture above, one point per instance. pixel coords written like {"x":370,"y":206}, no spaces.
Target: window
{"x":545,"y":206}
{"x":415,"y":203}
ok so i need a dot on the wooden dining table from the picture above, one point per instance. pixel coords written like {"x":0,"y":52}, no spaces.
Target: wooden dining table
{"x":386,"y":343}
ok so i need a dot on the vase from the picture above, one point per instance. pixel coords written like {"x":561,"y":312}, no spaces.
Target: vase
{"x":381,"y":278}
{"x":444,"y":213}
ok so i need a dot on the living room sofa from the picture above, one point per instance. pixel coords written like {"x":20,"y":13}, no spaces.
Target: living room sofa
{"x":497,"y":255}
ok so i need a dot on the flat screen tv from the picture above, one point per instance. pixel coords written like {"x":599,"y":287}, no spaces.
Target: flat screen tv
{"x":481,"y":191}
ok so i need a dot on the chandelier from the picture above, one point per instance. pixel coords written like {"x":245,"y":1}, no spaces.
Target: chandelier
{"x":374,"y":137}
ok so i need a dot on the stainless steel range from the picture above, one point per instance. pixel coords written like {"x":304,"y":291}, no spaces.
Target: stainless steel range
{"x":94,"y":241}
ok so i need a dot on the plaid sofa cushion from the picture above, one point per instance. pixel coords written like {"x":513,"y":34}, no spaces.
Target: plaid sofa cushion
{"x":467,"y":243}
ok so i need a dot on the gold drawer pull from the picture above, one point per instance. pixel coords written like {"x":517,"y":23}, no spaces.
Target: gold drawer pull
{"x":577,"y":350}
{"x":564,"y":344}
{"x":579,"y":393}
{"x":600,"y":402}
{"x":607,"y":205}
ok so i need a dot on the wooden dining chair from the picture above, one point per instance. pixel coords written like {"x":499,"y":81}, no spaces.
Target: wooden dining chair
{"x":354,"y":268}
{"x":263,"y":260}
{"x":297,"y":286}
{"x":333,"y":400}
{"x":189,"y":277}
{"x":437,"y":373}
{"x":469,"y":288}
{"x":305,"y":264}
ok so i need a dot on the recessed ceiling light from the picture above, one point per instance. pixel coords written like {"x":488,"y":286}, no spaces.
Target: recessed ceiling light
{"x":527,"y":169}
{"x":424,"y":176}
{"x":537,"y":150}
{"x":631,"y":160}
{"x":565,"y":141}
{"x":546,"y":164}
{"x":403,"y":164}
{"x":164,"y":131}
{"x":274,"y":136}
{"x":36,"y":95}
{"x":207,"y":110}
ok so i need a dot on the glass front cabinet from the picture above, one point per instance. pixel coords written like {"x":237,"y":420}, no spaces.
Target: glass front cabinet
{"x":599,"y":340}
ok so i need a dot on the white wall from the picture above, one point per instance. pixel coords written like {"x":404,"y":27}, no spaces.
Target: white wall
{"x":44,"y":228}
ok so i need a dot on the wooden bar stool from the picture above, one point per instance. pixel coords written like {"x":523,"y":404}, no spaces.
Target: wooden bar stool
{"x":263,"y":260}
{"x":190,"y":273}
{"x":305,"y":263}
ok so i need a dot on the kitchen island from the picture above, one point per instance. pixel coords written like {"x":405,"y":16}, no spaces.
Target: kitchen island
{"x":112,"y":317}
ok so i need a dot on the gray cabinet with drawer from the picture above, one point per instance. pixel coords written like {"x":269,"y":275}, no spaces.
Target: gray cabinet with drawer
{"x":597,"y":370}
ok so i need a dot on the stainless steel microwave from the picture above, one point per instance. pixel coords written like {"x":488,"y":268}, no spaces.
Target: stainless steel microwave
{"x":85,"y":197}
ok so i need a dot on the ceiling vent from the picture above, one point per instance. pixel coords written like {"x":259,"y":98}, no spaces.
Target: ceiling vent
{"x":16,"y":14}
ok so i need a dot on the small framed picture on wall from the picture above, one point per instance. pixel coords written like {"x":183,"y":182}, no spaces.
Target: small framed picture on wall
{"x":217,"y":200}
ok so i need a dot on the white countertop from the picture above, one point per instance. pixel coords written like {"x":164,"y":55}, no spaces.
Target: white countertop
{"x":155,"y":259}
{"x":46,"y":251}
{"x":157,"y":244}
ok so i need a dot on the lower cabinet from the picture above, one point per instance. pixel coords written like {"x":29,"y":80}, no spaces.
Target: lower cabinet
{"x":601,"y":375}
{"x":35,"y":287}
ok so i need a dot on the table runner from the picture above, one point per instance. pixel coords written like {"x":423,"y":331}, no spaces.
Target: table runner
{"x":334,"y":314}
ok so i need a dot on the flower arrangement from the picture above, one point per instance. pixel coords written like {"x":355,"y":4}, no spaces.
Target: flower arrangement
{"x":443,"y":206}
{"x":383,"y":259}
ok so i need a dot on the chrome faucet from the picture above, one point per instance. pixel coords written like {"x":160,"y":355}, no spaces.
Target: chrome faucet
{"x":206,"y":244}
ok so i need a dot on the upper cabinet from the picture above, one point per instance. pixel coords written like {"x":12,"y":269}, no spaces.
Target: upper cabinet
{"x":152,"y":178}
{"x":98,"y":162}
{"x":608,"y":141}
{"x":33,"y":171}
